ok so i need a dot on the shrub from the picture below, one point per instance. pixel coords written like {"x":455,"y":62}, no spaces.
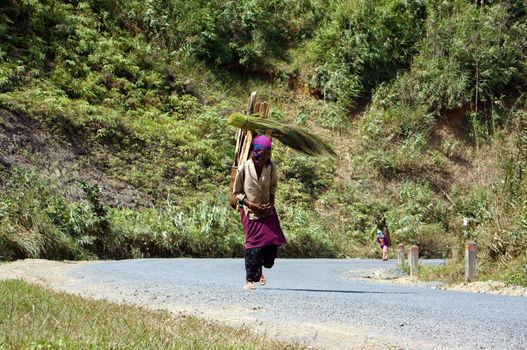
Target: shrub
{"x":469,"y":54}
{"x":204,"y":230}
{"x":314,"y":175}
{"x":28,"y":212}
{"x":307,"y":237}
{"x":243,"y":35}
{"x":394,"y":140}
{"x":363,"y":44}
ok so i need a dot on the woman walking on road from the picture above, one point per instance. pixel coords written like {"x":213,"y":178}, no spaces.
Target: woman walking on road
{"x":254,"y":187}
{"x":383,"y":239}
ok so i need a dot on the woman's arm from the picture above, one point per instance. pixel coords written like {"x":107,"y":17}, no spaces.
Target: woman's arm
{"x":238,"y":190}
{"x":238,"y":187}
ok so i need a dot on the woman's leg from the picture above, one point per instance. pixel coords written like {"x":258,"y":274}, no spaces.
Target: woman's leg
{"x":253,"y":264}
{"x":269,"y":255}
{"x":384,"y":252}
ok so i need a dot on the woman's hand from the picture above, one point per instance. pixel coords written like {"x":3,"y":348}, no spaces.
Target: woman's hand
{"x":258,"y":207}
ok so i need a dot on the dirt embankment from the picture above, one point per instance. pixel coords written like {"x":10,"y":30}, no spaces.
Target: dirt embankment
{"x":23,"y":142}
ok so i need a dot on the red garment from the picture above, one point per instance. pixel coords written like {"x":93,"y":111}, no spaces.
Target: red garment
{"x":262,"y":232}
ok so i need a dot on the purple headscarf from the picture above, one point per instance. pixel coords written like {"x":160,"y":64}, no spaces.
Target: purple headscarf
{"x":262,"y":142}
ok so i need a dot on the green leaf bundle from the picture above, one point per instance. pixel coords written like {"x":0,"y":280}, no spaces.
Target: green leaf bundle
{"x":290,"y":136}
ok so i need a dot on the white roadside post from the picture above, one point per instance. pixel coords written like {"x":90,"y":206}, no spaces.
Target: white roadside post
{"x":413,"y":259}
{"x":471,"y":264}
{"x":400,"y":254}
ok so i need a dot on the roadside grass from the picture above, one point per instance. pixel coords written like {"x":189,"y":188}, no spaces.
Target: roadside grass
{"x":32,"y":317}
{"x":512,"y":272}
{"x":453,"y":271}
{"x":450,"y":272}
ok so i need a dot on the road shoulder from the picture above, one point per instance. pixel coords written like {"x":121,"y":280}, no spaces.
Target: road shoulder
{"x":397,"y":276}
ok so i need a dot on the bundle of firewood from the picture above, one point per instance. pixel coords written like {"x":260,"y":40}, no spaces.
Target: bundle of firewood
{"x":255,"y":121}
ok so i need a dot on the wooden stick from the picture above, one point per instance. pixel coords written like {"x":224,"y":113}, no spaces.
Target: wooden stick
{"x":265,"y":110}
{"x":246,"y":147}
{"x":250,"y":106}
{"x":241,"y":151}
{"x":239,"y":140}
{"x":265,"y":114}
{"x":243,"y":155}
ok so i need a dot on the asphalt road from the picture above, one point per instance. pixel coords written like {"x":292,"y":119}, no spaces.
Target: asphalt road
{"x":317,"y":302}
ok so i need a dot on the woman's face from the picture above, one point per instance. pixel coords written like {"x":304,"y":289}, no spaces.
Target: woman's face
{"x":261,"y":156}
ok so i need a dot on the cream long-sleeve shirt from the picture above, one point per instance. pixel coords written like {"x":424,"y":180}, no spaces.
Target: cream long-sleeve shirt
{"x":258,"y":190}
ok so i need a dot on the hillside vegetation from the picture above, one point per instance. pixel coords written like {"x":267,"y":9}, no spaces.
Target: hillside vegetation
{"x":115,"y":144}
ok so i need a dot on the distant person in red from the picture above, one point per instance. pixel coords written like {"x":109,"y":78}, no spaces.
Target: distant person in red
{"x":383,"y":239}
{"x":255,"y":187}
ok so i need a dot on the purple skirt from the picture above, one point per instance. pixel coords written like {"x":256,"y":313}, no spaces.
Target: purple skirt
{"x":262,"y":232}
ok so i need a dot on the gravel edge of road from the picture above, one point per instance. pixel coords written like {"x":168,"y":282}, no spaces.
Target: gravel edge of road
{"x":397,"y":276}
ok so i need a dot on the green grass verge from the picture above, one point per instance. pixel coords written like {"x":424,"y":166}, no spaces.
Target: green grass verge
{"x":451,"y":272}
{"x":454,"y":272}
{"x":34,"y":318}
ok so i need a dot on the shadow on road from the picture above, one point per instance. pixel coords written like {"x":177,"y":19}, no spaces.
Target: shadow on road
{"x":335,"y":291}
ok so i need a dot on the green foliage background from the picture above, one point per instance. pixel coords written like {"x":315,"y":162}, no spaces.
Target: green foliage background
{"x":423,"y":99}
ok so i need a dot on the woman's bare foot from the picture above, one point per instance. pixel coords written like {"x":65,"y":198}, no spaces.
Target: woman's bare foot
{"x":262,"y":280}
{"x":249,"y":285}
